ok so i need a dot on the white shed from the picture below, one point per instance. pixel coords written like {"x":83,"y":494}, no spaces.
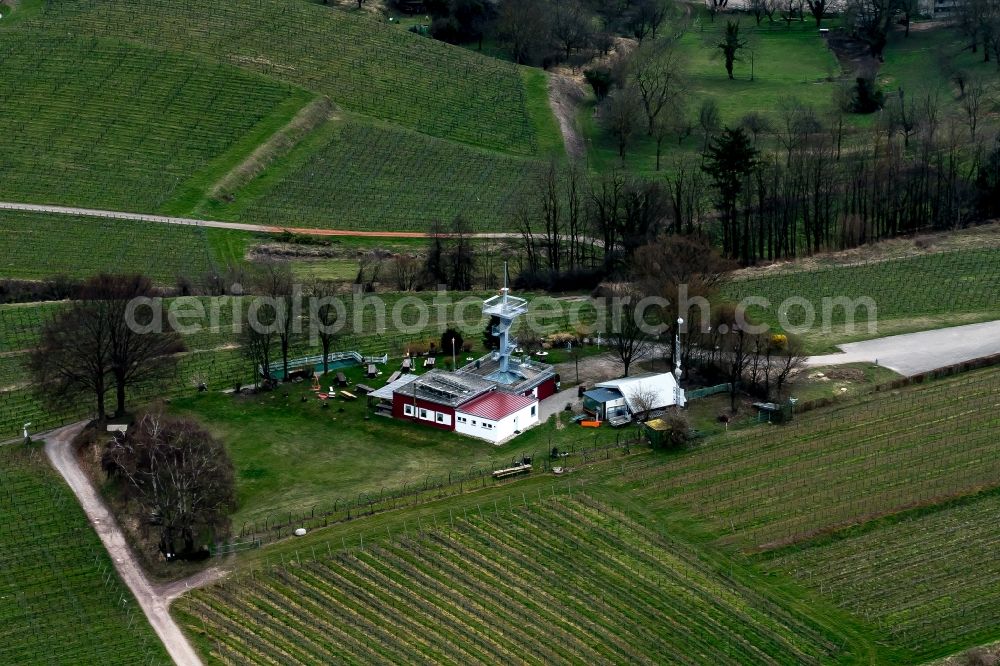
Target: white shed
{"x":649,"y":391}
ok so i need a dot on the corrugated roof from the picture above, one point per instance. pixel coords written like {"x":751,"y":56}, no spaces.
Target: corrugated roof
{"x":603,"y":395}
{"x":496,"y":405}
{"x":385,"y":393}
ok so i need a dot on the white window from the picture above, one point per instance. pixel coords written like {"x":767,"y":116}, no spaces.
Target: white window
{"x":473,"y":421}
{"x":426,"y":415}
{"x":443,"y":419}
{"x":462,"y":419}
{"x":408,"y":410}
{"x":534,"y":409}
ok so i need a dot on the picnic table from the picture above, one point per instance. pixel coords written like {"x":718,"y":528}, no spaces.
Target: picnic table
{"x":407,"y":365}
{"x":372,"y":370}
{"x":348,"y":395}
{"x":429,"y":362}
{"x":364,"y":389}
{"x":394,"y":376}
{"x":341,"y":379}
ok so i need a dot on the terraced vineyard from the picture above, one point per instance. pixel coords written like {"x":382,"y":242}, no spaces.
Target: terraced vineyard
{"x":79,"y":247}
{"x":932,"y":581}
{"x":61,"y":601}
{"x":373,"y":177}
{"x":963,"y":281}
{"x":364,"y":65}
{"x":107,"y":125}
{"x":563,"y":579}
{"x":764,"y":488}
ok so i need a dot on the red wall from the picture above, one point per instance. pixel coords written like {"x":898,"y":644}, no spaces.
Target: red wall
{"x":398,"y":400}
{"x":546,"y":388}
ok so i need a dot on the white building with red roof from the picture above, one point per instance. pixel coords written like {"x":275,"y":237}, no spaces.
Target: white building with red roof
{"x":496,"y":416}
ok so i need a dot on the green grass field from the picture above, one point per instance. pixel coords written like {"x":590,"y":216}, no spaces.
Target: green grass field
{"x":531,"y":584}
{"x":930,"y":579}
{"x":365,"y":65}
{"x":912,"y":293}
{"x":61,"y":601}
{"x":101,"y":124}
{"x":294,"y":456}
{"x":787,"y":63}
{"x":38,"y":245}
{"x":759,"y":489}
{"x":370,"y":176}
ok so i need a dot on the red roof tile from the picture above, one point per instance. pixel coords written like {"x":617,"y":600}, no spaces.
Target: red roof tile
{"x":496,"y":405}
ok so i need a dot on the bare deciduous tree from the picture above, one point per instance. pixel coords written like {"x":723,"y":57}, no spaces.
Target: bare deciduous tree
{"x":179,"y":474}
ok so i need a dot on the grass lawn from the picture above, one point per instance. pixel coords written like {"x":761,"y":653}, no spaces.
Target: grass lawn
{"x":792,"y":62}
{"x":292,"y":455}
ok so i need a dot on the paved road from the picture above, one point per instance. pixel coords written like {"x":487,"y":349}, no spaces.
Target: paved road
{"x":913,"y":353}
{"x":153,"y":599}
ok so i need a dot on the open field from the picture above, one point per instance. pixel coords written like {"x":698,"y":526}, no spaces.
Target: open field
{"x":529,"y":584}
{"x":930,"y":579}
{"x":375,"y":177}
{"x":294,"y":456}
{"x":787,"y":63}
{"x":102,"y":124}
{"x":37,"y":246}
{"x":61,"y":601}
{"x":362,"y":64}
{"x":887,"y":452}
{"x":947,"y":286}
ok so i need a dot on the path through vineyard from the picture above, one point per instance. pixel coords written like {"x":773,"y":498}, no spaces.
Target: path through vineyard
{"x":154,"y":599}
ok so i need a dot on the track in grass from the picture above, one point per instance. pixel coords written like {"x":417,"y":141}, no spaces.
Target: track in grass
{"x":561,"y":580}
{"x":764,"y":488}
{"x":932,"y":581}
{"x":108,"y":125}
{"x":61,"y":601}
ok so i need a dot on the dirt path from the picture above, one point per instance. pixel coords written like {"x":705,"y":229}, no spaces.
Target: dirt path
{"x":238,"y":226}
{"x":565,"y":97}
{"x":152,"y":598}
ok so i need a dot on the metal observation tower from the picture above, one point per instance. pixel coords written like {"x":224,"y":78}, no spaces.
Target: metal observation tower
{"x":506,"y":308}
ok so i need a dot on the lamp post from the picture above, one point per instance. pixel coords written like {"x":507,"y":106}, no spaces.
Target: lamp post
{"x":677,"y":350}
{"x":454,"y":364}
{"x":27,"y":438}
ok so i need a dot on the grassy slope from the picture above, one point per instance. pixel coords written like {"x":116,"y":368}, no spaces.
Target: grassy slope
{"x":462,"y":592}
{"x":38,"y":245}
{"x":363,"y":64}
{"x":930,"y":578}
{"x":910,"y":293}
{"x":101,"y":124}
{"x":55,"y":604}
{"x":368,"y":176}
{"x":838,"y":467}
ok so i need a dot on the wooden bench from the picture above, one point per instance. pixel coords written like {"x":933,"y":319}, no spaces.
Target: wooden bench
{"x":512,"y":471}
{"x":348,"y":395}
{"x":394,"y":376}
{"x":364,"y":389}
